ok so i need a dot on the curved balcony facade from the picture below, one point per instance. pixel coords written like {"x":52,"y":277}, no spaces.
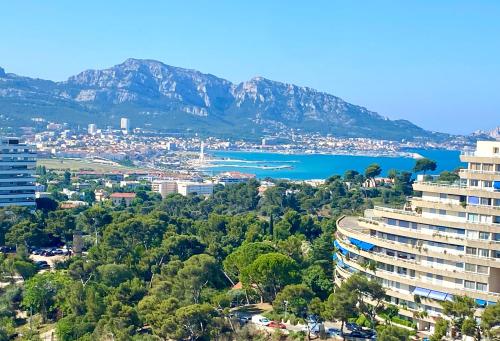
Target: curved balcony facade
{"x":448,"y":243}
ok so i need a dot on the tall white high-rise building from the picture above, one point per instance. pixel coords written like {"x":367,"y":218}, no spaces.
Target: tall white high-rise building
{"x":447,"y":244}
{"x":202,"y":153}
{"x":17,"y":168}
{"x":92,"y":129}
{"x":125,"y":124}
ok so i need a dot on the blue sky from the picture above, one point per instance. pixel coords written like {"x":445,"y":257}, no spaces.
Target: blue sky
{"x":435,"y":63}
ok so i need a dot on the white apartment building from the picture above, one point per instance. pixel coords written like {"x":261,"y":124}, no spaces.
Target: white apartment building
{"x":17,"y":168}
{"x":164,"y":187}
{"x":199,"y":188}
{"x":227,"y":178}
{"x":125,"y":124}
{"x":447,"y":244}
{"x":92,"y":129}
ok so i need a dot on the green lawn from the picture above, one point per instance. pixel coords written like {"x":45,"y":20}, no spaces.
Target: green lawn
{"x":80,"y":164}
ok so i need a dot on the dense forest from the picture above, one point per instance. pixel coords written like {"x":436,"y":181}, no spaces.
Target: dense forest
{"x":179,"y":268}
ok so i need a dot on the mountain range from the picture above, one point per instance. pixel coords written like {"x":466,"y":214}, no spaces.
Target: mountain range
{"x":172,"y":99}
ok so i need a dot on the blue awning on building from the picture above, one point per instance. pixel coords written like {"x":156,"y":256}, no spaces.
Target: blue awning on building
{"x":421,"y":292}
{"x":496,"y":184}
{"x":449,"y":297}
{"x":473,"y":200}
{"x":362,"y":245}
{"x":437,"y":295}
{"x":480,"y":302}
{"x":337,"y":245}
{"x":490,"y":302}
{"x":334,"y":257}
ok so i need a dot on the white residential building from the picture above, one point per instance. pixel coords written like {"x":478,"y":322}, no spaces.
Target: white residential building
{"x":447,"y":244}
{"x":199,"y":188}
{"x":92,"y":129}
{"x":164,"y":187}
{"x":17,"y":168}
{"x":227,"y":178}
{"x":125,"y":124}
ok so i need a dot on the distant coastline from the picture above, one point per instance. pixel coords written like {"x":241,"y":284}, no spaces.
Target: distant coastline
{"x":411,"y":155}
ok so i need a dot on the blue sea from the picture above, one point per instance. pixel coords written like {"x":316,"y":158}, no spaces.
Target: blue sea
{"x":320,"y":166}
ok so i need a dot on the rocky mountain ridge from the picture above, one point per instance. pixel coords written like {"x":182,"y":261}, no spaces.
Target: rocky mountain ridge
{"x":170,"y":98}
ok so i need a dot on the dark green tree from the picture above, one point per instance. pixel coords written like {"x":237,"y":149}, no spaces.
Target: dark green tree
{"x":424,"y":165}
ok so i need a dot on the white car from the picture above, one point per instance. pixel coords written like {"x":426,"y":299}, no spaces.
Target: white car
{"x":260,"y":320}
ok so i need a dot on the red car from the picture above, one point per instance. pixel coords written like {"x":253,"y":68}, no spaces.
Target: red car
{"x":274,"y":324}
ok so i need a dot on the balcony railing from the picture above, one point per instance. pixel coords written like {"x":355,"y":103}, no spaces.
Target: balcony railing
{"x":422,"y":249}
{"x":474,"y":171}
{"x":441,"y":184}
{"x":474,"y":153}
{"x":396,"y":210}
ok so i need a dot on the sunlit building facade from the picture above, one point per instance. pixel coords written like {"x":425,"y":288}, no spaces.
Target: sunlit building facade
{"x":17,"y":169}
{"x":445,"y":242}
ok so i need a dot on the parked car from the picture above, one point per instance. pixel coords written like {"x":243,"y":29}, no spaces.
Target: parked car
{"x":274,"y":324}
{"x":260,"y":320}
{"x":242,"y":318}
{"x":41,"y":264}
{"x":357,"y":334}
{"x":7,"y":249}
{"x":369,"y":332}
{"x":364,"y":334}
{"x":352,"y":326}
{"x":331,"y":332}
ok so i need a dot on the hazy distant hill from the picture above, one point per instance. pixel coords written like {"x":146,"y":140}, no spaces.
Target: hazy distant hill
{"x":157,"y":95}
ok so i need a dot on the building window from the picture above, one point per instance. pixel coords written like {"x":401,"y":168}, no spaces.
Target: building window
{"x":443,"y":195}
{"x":487,"y":167}
{"x":482,"y":286}
{"x":404,"y":223}
{"x":439,"y":277}
{"x":472,"y":234}
{"x":474,"y":183}
{"x":484,"y":235}
{"x":473,"y":217}
{"x":483,"y":252}
{"x":470,"y":285}
{"x":482,"y":269}
{"x":487,"y":184}
{"x":486,"y":201}
{"x":470,"y":267}
{"x":475,"y":166}
{"x":442,"y":212}
{"x":471,"y":251}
